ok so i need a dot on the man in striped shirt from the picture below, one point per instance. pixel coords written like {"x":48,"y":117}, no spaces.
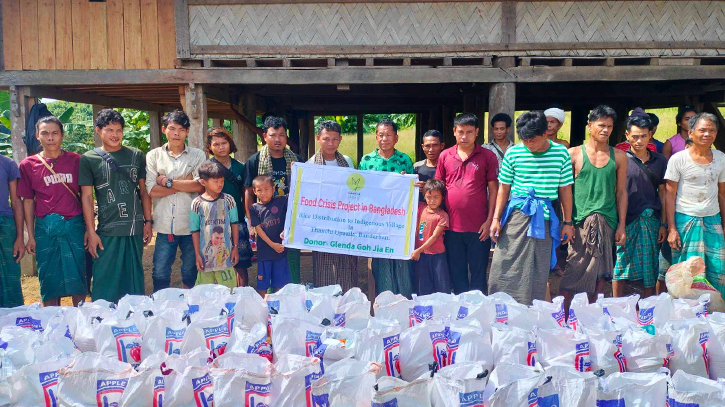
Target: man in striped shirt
{"x":525,"y":226}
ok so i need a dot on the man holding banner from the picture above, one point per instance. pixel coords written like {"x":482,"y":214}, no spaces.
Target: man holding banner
{"x":390,"y":275}
{"x":330,"y":268}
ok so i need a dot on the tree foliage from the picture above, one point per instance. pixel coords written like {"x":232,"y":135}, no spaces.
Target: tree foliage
{"x":349,"y":123}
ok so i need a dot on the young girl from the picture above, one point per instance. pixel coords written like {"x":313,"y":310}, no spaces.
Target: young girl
{"x":431,"y":267}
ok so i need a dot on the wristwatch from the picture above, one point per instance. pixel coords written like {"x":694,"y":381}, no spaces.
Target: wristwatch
{"x":664,"y":225}
{"x":151,"y":221}
{"x":568,"y":223}
{"x":169,"y":183}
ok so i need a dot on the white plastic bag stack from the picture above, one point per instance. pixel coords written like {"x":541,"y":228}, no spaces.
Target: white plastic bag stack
{"x":394,"y":392}
{"x":380,"y":343}
{"x":620,"y":307}
{"x":563,"y":347}
{"x":164,"y":333}
{"x":336,"y":343}
{"x":435,"y":307}
{"x":422,"y":346}
{"x":605,"y":348}
{"x":93,"y":380}
{"x":565,"y":386}
{"x":690,"y":390}
{"x":513,"y":345}
{"x":550,"y":314}
{"x":469,"y":342}
{"x":212,"y":333}
{"x":147,"y":386}
{"x":18,"y":348}
{"x":121,"y":338}
{"x":394,"y":307}
{"x":470,"y":377}
{"x":353,"y":311}
{"x":716,"y":345}
{"x":654,"y":312}
{"x":322,"y":303}
{"x":646,"y":353}
{"x":515,"y":385}
{"x":36,"y":384}
{"x":233,"y":372}
{"x":581,"y":313}
{"x":192,"y":387}
{"x":633,"y":389}
{"x":251,"y":308}
{"x":293,"y":380}
{"x":691,"y":308}
{"x":252,"y":342}
{"x":689,"y":342}
{"x":296,"y":334}
{"x":347,"y":383}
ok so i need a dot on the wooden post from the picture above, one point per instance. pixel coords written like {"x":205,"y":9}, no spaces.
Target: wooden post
{"x":18,"y":117}
{"x":217,"y":123}
{"x":196,"y":109}
{"x":620,"y":126}
{"x":96,"y":137}
{"x":155,"y":129}
{"x":578,"y":133}
{"x":293,"y":132}
{"x":710,"y":107}
{"x":248,"y":144}
{"x":360,"y":137}
{"x":502,"y":99}
{"x":304,"y":136}
{"x":311,"y":148}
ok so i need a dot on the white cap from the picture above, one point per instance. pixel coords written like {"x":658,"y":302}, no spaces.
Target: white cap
{"x":556,"y":113}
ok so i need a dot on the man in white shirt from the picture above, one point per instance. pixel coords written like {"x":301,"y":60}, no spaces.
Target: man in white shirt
{"x":695,"y":200}
{"x":172,"y":181}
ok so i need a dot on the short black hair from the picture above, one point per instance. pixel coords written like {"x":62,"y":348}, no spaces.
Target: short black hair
{"x":222,"y":133}
{"x":274,"y":122}
{"x":435,"y":185}
{"x":108,"y":116}
{"x":49,"y":119}
{"x":329,"y":125}
{"x":682,"y":110}
{"x":178,"y":117}
{"x":501,"y":117}
{"x":386,"y":121}
{"x":466,"y":119}
{"x":639,"y":121}
{"x":211,"y":169}
{"x":434,"y":133}
{"x":531,"y":124}
{"x":218,"y":229}
{"x":602,"y":112}
{"x":261,"y":179}
{"x":654,"y":119}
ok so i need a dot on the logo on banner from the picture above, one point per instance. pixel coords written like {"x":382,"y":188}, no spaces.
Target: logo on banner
{"x":646,"y":318}
{"x":30,"y":323}
{"x":611,"y":403}
{"x":109,"y":392}
{"x":312,"y":339}
{"x":462,"y":312}
{"x":391,"y":349}
{"x":454,"y":339}
{"x":391,"y":403}
{"x":533,"y":399}
{"x":581,"y":361}
{"x":174,"y":337}
{"x":439,"y":341}
{"x":559,"y":317}
{"x":502,"y":313}
{"x":323,"y":400}
{"x":531,"y":354}
{"x":355,"y":182}
{"x":704,"y":336}
{"x":128,"y":343}
{"x":549,"y":401}
{"x":338,"y":320}
{"x":49,"y":381}
{"x":159,"y":391}
{"x":309,"y":380}
{"x":230,"y":315}
{"x":472,"y":399}
{"x":619,"y":356}
{"x":216,"y":339}
{"x":573,"y":321}
{"x":203,"y":391}
{"x":261,"y":348}
{"x":257,"y":395}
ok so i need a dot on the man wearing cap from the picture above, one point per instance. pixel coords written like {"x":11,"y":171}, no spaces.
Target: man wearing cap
{"x":555,"y":119}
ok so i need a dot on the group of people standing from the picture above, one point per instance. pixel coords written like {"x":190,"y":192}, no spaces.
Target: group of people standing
{"x":590,"y":213}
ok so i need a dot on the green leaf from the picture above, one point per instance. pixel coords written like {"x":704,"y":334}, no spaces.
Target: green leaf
{"x":4,"y":100}
{"x":66,"y":115}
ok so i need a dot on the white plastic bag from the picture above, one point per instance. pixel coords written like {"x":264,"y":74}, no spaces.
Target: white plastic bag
{"x":93,"y":380}
{"x":380,"y":343}
{"x":252,"y":342}
{"x":581,"y":313}
{"x":394,"y":392}
{"x":121,"y":339}
{"x":716,"y":345}
{"x":436,"y":307}
{"x":690,"y":390}
{"x":347,"y":383}
{"x":620,"y":307}
{"x":18,"y":346}
{"x":134,"y":304}
{"x":293,"y":380}
{"x":633,"y":389}
{"x":565,"y":386}
{"x":163,"y":335}
{"x":551,"y":314}
{"x":469,"y":342}
{"x":654,"y":312}
{"x":422,"y":346}
{"x":192,"y":387}
{"x":393,"y":307}
{"x":336,"y":343}
{"x":689,"y":342}
{"x":36,"y":384}
{"x":472,"y":378}
{"x":515,"y":385}
{"x":563,"y":347}
{"x":646,"y":353}
{"x":147,"y":386}
{"x":251,"y":308}
{"x":212,"y":333}
{"x":234,"y":373}
{"x":605,"y":348}
{"x":170,"y":294}
{"x":513,"y":345}
{"x":297,"y":334}
{"x":685,"y":308}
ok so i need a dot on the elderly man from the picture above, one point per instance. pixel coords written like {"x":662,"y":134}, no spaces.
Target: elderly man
{"x":393,"y":275}
{"x":555,"y":119}
{"x":696,"y":199}
{"x":600,"y":208}
{"x":330,"y":268}
{"x":525,"y":225}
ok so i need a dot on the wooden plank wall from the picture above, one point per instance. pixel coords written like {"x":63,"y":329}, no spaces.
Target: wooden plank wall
{"x":78,"y":34}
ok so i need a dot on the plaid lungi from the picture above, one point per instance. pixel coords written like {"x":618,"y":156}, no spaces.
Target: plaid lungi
{"x":11,"y":291}
{"x":638,"y":259}
{"x":329,"y":269}
{"x":702,"y":237}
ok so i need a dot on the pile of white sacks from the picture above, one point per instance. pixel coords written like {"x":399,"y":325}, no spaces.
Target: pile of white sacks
{"x":317,"y":347}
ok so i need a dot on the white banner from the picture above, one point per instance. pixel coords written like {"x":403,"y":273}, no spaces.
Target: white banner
{"x":346,"y":211}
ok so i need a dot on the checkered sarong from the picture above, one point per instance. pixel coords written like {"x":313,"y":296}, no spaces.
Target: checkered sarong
{"x":638,"y":258}
{"x":702,"y":237}
{"x":329,"y":269}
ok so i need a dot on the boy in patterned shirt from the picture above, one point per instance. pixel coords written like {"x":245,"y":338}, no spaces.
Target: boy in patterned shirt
{"x":214,"y":226}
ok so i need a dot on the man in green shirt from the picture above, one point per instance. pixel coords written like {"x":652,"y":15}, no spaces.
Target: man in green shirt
{"x":526,"y":227}
{"x":390,"y":275}
{"x":117,"y":174}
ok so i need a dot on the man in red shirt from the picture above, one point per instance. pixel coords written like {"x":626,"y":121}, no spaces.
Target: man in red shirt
{"x":470,"y":173}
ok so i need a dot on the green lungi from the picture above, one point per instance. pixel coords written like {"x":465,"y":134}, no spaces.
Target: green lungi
{"x":11,"y":292}
{"x":392,"y":275}
{"x":118,"y":270}
{"x":639,"y":258}
{"x":702,"y":237}
{"x":60,"y":256}
{"x":293,"y":260}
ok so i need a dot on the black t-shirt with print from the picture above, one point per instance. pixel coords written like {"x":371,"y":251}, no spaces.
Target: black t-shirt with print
{"x":271,"y":217}
{"x":279,"y":173}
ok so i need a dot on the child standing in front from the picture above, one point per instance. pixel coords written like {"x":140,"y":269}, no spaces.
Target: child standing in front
{"x":267,"y":218}
{"x":431,"y":267}
{"x":214,"y":226}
